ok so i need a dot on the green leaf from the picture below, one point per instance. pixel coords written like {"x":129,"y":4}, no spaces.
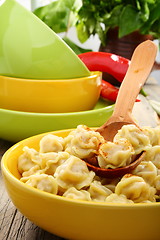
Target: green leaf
{"x":41,"y":12}
{"x":130,"y":20}
{"x":59,"y":15}
{"x":113,"y":19}
{"x":82,"y":32}
{"x":154,"y":15}
{"x":143,"y":92}
{"x":77,"y":5}
{"x":74,"y":13}
{"x":100,"y":32}
{"x":138,"y":4}
{"x":151,"y":1}
{"x":75,"y":47}
{"x":145,"y":11}
{"x":90,"y":24}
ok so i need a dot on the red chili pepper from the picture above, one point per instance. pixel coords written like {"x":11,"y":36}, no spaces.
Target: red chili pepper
{"x":109,"y":92}
{"x":106,"y":62}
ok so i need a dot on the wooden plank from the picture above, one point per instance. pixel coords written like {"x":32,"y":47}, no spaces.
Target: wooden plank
{"x":4,"y":145}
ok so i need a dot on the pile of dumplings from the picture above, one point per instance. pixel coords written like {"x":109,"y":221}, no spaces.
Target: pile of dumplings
{"x":58,"y":167}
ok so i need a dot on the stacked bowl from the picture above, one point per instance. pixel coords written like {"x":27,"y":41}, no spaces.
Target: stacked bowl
{"x":44,"y":86}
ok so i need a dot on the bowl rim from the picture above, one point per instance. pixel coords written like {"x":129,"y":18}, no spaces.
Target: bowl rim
{"x":93,"y":74}
{"x":57,"y":114}
{"x":43,"y":194}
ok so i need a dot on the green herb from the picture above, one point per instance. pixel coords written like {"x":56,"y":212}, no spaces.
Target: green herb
{"x":143,"y":92}
{"x":75,"y":48}
{"x":92,"y":17}
{"x":60,"y":15}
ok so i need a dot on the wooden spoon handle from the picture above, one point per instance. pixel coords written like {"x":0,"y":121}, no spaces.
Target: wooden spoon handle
{"x":138,"y":71}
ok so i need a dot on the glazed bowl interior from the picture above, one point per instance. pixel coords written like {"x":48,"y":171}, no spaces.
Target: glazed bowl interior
{"x":50,"y":96}
{"x":30,"y":49}
{"x":76,"y":219}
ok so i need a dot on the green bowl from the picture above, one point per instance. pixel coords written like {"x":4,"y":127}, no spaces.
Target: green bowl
{"x":30,"y":49}
{"x":16,"y":125}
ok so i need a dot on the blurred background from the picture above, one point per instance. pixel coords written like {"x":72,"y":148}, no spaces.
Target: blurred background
{"x":94,"y":41}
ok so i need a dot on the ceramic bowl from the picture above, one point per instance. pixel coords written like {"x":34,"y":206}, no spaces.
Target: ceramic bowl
{"x":76,"y":219}
{"x":16,"y":125}
{"x":50,"y":96}
{"x":30,"y":49}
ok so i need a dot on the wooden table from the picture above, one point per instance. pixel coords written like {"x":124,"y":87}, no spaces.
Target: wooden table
{"x":13,"y":225}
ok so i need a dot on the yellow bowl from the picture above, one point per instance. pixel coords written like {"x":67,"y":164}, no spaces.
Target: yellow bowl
{"x":75,"y":219}
{"x":50,"y":96}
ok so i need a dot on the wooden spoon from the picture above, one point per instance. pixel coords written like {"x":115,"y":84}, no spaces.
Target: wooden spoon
{"x":140,"y":66}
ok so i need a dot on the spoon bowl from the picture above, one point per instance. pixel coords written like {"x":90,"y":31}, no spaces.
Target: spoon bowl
{"x":140,"y":66}
{"x":117,"y":172}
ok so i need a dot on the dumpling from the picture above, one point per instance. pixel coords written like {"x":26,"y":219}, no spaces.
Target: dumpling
{"x":42,"y":182}
{"x":115,"y":154}
{"x":153,"y":134}
{"x":135,"y":189}
{"x":28,"y":159}
{"x":51,"y":160}
{"x":83,"y":142}
{"x":147,"y":170}
{"x":114,"y":198}
{"x":73,"y":173}
{"x":98,"y":192}
{"x":111,"y":184}
{"x":154,"y":155}
{"x":51,"y":143}
{"x":157,"y":184}
{"x":73,"y":193}
{"x":33,"y":170}
{"x":135,"y":136}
